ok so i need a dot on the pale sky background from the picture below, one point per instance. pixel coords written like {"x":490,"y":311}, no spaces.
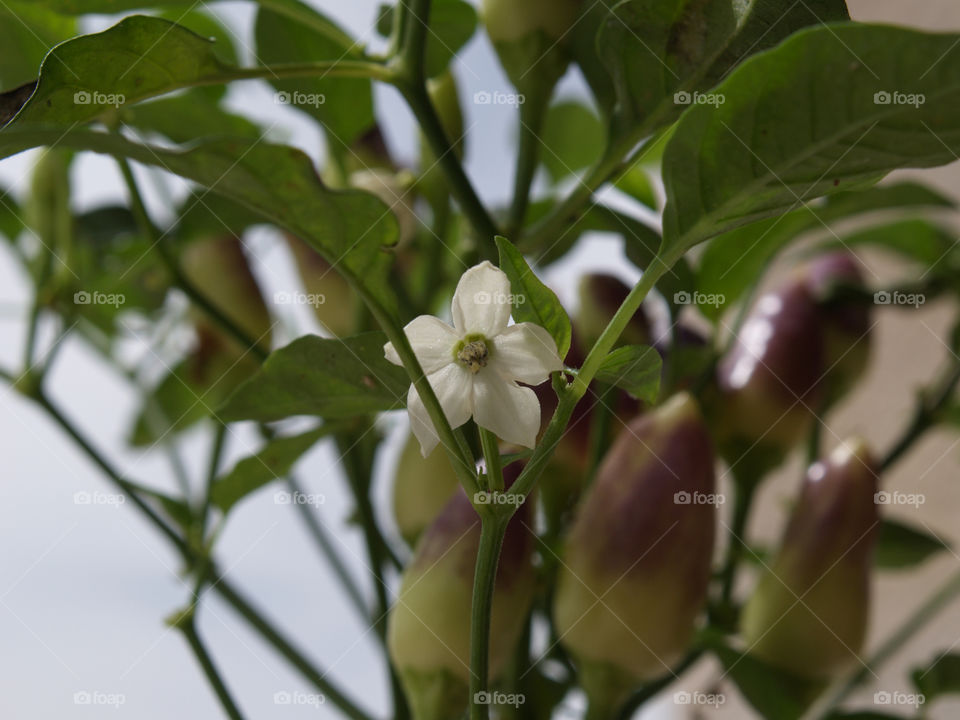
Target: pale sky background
{"x":84,"y":589}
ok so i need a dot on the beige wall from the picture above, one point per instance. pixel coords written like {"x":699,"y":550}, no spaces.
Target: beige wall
{"x":908,"y":349}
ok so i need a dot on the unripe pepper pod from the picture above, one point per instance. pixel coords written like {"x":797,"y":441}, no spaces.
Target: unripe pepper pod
{"x":429,"y":625}
{"x":601,"y":296}
{"x":334,"y":302}
{"x":421,"y":489}
{"x":808,"y":614}
{"x":636,"y":563}
{"x":769,"y":381}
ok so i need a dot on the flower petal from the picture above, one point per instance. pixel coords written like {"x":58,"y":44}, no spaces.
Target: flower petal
{"x":525,"y":352}
{"x":481,"y":303}
{"x":511,"y":412}
{"x":433,"y":343}
{"x":453,"y":387}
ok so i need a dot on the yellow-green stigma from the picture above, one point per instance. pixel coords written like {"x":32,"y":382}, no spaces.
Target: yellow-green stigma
{"x":473,"y":355}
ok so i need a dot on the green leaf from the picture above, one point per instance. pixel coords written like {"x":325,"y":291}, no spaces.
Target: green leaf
{"x":864,"y":716}
{"x":137,"y":58}
{"x":350,"y":229}
{"x":918,"y":240}
{"x":634,"y":368}
{"x":655,"y":49}
{"x":942,"y":677}
{"x":736,"y":260}
{"x":10,"y":216}
{"x":321,"y":377}
{"x":900,"y":546}
{"x":540,"y":304}
{"x":771,"y":691}
{"x":272,"y":462}
{"x":572,"y":137}
{"x":452,"y":24}
{"x":755,"y":156}
{"x":27,"y":33}
{"x":187,"y":117}
{"x":343,"y":105}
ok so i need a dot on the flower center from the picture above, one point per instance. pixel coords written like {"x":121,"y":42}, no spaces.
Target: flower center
{"x":473,"y":355}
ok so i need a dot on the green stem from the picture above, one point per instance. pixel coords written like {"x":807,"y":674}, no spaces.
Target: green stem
{"x":925,"y":416}
{"x":923,"y":615}
{"x":532,"y":114}
{"x":654,"y":688}
{"x":283,"y":646}
{"x":183,"y":283}
{"x":745,"y":490}
{"x":330,"y":554}
{"x":460,"y":186}
{"x":209,"y":669}
{"x":218,"y":583}
{"x":576,"y":389}
{"x":491,"y":453}
{"x":493,"y":527}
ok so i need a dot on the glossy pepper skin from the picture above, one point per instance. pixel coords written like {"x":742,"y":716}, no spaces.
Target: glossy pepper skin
{"x":795,"y":354}
{"x":429,"y":625}
{"x":641,"y":543}
{"x":824,"y":560}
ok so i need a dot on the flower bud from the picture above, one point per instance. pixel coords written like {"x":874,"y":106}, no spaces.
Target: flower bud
{"x":429,"y":625}
{"x":530,"y":39}
{"x":335,"y":304}
{"x":218,"y":268}
{"x":422,"y":487}
{"x":808,"y":614}
{"x":637,"y":560}
{"x":846,"y":325}
{"x":600,"y":297}
{"x":794,"y":355}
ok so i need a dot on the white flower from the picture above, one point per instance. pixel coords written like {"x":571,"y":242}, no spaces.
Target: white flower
{"x":474,"y":367}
